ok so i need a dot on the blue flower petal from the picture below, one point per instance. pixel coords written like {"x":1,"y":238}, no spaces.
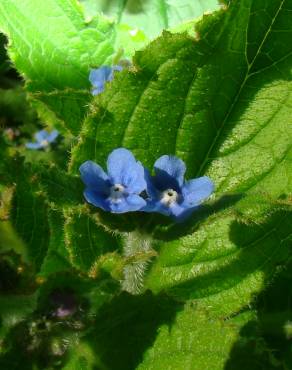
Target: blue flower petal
{"x":117,"y":68}
{"x":154,"y":205}
{"x":118,"y":207}
{"x":169,"y":172}
{"x":150,"y":206}
{"x":130,"y":203}
{"x":96,"y":199}
{"x":114,"y":68}
{"x":94,"y":177}
{"x":41,"y":135}
{"x":99,"y":76}
{"x":176,"y":210}
{"x":52,"y":136}
{"x":152,"y":192}
{"x":97,"y":90}
{"x":125,"y":170}
{"x":34,"y":146}
{"x":195,"y":191}
{"x":180,"y":213}
{"x":135,"y":202}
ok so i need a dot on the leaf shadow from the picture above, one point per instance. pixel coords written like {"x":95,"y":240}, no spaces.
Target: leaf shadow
{"x":249,"y":351}
{"x":127,"y":326}
{"x":274,"y":312}
{"x":258,"y":250}
{"x":130,"y":6}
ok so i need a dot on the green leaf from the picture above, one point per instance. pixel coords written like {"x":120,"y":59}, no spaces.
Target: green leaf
{"x":163,"y":14}
{"x":85,"y":240}
{"x":54,"y":47}
{"x":57,"y":257}
{"x":230,"y":97}
{"x":29,"y":212}
{"x":62,"y":189}
{"x":224,"y":262}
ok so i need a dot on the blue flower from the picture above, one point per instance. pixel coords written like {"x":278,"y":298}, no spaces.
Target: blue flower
{"x":43,"y":139}
{"x":170,"y":194}
{"x":98,"y":77}
{"x":118,"y":191}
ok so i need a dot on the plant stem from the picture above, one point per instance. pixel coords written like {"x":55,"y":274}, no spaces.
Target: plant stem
{"x":137,"y":249}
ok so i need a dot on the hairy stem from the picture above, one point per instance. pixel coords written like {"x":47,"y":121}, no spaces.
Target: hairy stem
{"x":138,"y":251}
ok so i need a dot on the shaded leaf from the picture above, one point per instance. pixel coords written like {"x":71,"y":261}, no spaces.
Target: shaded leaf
{"x":54,"y":47}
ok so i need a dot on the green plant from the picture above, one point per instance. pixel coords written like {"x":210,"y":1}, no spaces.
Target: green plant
{"x":150,"y":293}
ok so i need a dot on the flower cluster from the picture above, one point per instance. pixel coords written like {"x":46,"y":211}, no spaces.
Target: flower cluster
{"x":128,"y":186}
{"x":98,"y":77}
{"x":43,"y":139}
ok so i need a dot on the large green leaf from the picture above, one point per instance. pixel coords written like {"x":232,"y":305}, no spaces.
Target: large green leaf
{"x":230,"y":98}
{"x":54,"y":47}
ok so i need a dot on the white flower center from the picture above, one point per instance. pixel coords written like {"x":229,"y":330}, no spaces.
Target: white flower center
{"x":117,"y":192}
{"x":168,"y":197}
{"x":44,"y":143}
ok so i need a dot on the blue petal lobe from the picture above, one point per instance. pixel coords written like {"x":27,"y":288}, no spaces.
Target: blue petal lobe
{"x":195,"y":191}
{"x":52,"y":136}
{"x":118,"y":207}
{"x":114,"y":68}
{"x":125,"y":170}
{"x":134,"y":179}
{"x":99,"y":76}
{"x":41,"y":135}
{"x":130,"y":203}
{"x":95,"y":199}
{"x":150,"y":188}
{"x":94,"y":177}
{"x":150,"y":206}
{"x":176,"y":210}
{"x":117,"y":68}
{"x":135,"y":202}
{"x":169,"y":172}
{"x":153,"y":205}
{"x":98,"y":90}
{"x":34,"y":146}
{"x":180,"y":213}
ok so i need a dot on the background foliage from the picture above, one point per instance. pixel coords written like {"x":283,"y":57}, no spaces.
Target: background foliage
{"x":142,"y":292}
